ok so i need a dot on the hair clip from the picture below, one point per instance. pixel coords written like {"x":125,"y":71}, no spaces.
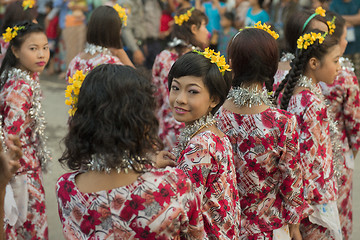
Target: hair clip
{"x":308,"y":39}
{"x":72,"y":91}
{"x":11,"y":33}
{"x":266,"y":28}
{"x":183,"y":17}
{"x":215,"y":58}
{"x":319,"y":11}
{"x":122,"y":13}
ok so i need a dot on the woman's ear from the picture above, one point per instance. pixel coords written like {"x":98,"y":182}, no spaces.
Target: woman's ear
{"x":314,"y":63}
{"x":15,"y":51}
{"x":194,"y":29}
{"x":214,"y":101}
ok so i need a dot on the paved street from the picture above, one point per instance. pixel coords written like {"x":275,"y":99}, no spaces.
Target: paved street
{"x":56,"y":114}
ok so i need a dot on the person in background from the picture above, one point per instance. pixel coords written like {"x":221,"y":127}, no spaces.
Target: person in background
{"x":213,"y":9}
{"x":256,"y":13}
{"x":350,"y":11}
{"x":52,"y":33}
{"x":141,"y":35}
{"x":241,"y":8}
{"x":227,"y":31}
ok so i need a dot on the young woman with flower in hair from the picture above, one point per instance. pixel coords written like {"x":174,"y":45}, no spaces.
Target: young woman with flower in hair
{"x":189,"y":32}
{"x":316,"y":59}
{"x":198,"y":88}
{"x":22,"y":115}
{"x":344,"y":102}
{"x":264,"y":139}
{"x":103,"y":41}
{"x":115,"y":191}
{"x":295,"y":26}
{"x":14,"y":14}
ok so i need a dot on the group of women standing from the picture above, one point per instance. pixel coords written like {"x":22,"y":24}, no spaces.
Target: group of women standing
{"x":246,"y":163}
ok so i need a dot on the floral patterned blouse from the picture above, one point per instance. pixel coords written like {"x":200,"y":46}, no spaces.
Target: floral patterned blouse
{"x":160,"y":204}
{"x":208,"y":161}
{"x":169,"y":128}
{"x":266,"y":152}
{"x":16,"y":99}
{"x":77,"y":63}
{"x":344,"y":102}
{"x":316,"y":154}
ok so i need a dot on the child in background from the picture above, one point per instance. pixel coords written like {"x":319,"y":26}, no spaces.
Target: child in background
{"x":52,"y":33}
{"x":265,"y":142}
{"x":22,"y":115}
{"x":227,"y":32}
{"x":197,"y":90}
{"x":256,"y":13}
{"x":315,"y":60}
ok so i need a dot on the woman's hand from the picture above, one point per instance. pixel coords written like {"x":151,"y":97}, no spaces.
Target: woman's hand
{"x":164,"y":159}
{"x":294,"y":230}
{"x":9,"y":162}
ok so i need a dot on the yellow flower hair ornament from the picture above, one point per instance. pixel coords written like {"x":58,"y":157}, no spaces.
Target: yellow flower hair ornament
{"x":179,"y":20}
{"x":11,"y":33}
{"x":331,"y":25}
{"x":28,"y":4}
{"x":72,"y":91}
{"x":308,"y":39}
{"x":266,"y":28}
{"x":122,"y":13}
{"x":215,"y":58}
{"x":319,"y":11}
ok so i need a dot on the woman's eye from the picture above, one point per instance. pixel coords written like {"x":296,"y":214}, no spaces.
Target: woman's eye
{"x":193,"y":91}
{"x":174,"y":88}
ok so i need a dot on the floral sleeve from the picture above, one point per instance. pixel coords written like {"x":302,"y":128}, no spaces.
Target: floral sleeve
{"x":296,"y":208}
{"x":352,"y":111}
{"x":316,"y":155}
{"x":196,"y":162}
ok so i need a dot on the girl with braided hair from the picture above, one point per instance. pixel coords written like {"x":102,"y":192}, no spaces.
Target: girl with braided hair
{"x":316,"y":59}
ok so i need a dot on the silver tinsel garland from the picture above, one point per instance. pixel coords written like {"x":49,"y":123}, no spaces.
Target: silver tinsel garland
{"x":251,"y":96}
{"x":334,"y":131}
{"x":38,"y":136}
{"x":346,"y":64}
{"x":92,"y":49}
{"x":100,"y":163}
{"x":191,"y":130}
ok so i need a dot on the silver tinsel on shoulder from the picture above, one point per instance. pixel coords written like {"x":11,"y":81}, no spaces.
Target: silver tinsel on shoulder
{"x":100,"y":163}
{"x":38,"y":136}
{"x":176,"y":42}
{"x":251,"y":96}
{"x":338,"y":157}
{"x":191,"y":130}
{"x":93,"y":49}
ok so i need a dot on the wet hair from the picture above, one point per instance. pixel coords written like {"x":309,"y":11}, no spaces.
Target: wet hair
{"x":98,"y":32}
{"x":194,"y":64}
{"x":10,"y":60}
{"x":299,"y":64}
{"x":184,"y":31}
{"x":294,"y":27}
{"x":339,"y":23}
{"x":115,"y":115}
{"x":254,"y":57}
{"x":15,"y":14}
